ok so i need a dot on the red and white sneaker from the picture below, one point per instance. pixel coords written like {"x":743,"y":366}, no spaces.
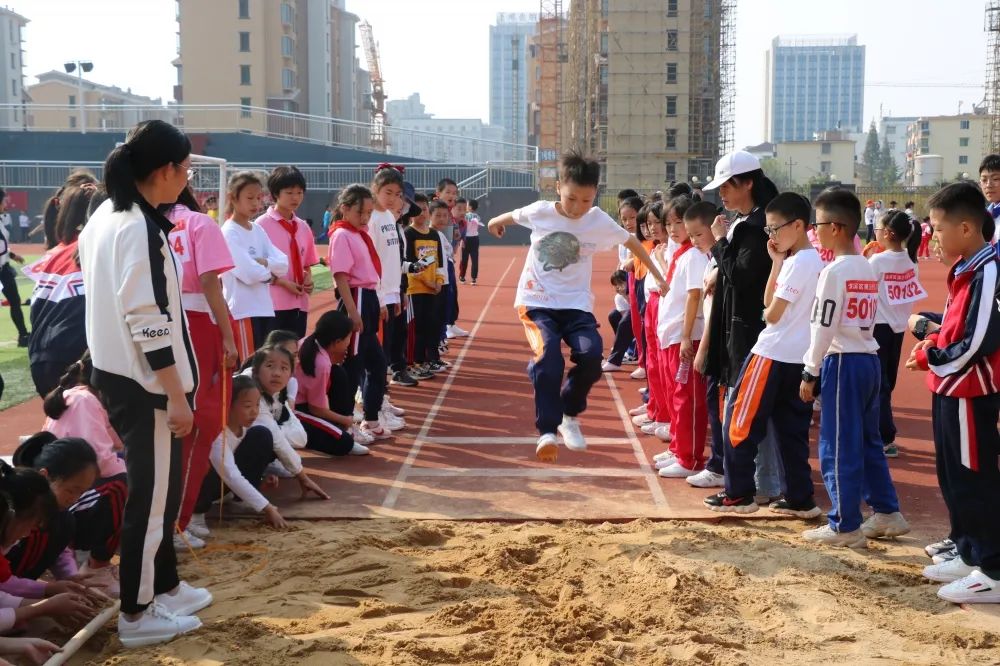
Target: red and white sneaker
{"x":376,"y":431}
{"x":976,"y":588}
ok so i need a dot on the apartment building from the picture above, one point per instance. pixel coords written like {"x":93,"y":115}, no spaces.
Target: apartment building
{"x":11,"y":68}
{"x":958,"y":140}
{"x":455,"y":140}
{"x":805,"y":161}
{"x":109,"y":107}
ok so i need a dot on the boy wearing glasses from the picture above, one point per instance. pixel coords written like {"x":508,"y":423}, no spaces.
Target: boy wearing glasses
{"x":768,"y":385}
{"x":842,"y":351}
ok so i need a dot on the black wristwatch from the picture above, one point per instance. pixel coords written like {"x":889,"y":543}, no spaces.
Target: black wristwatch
{"x":807,"y":378}
{"x":920,"y":328}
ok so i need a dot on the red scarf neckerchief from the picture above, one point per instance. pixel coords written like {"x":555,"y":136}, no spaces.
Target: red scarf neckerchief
{"x":685,"y":246}
{"x":294,"y":255}
{"x":344,"y":224}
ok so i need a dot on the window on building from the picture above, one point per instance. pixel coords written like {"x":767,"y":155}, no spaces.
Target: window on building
{"x":72,"y":100}
{"x":287,"y":79}
{"x":287,"y":46}
{"x":72,"y":122}
{"x":244,"y":75}
{"x":891,"y":129}
{"x":925,"y":126}
{"x":671,"y":8}
{"x":245,"y":104}
{"x":287,"y":14}
{"x":13,"y":87}
{"x":13,"y":61}
{"x":671,"y":72}
{"x":604,"y":7}
{"x":708,"y":8}
{"x":963,"y":159}
{"x":963,"y":142}
{"x":244,"y":42}
{"x":671,"y":105}
{"x":825,"y":148}
{"x":604,"y":43}
{"x":825,"y":167}
{"x":670,"y":172}
{"x":671,"y":139}
{"x":963,"y":124}
{"x":671,"y":40}
{"x":603,"y":73}
{"x":244,"y":9}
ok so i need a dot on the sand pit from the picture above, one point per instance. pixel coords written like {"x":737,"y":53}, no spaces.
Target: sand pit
{"x":397,"y":592}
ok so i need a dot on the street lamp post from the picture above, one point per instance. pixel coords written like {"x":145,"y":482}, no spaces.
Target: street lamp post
{"x":80,"y":66}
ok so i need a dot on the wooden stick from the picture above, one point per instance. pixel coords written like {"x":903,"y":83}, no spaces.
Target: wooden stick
{"x":84,"y":635}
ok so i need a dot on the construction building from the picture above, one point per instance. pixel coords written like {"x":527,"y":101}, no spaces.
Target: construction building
{"x":647,"y":87}
{"x":11,"y":68}
{"x":547,"y":56}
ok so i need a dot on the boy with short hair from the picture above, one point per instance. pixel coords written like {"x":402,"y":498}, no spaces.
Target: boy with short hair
{"x":768,"y":385}
{"x":555,"y":301}
{"x":851,"y":456}
{"x":963,"y":357}
{"x":989,"y":181}
{"x":439,"y":219}
{"x":424,"y":247}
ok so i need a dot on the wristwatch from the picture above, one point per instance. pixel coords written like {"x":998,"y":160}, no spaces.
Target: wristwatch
{"x":807,"y":378}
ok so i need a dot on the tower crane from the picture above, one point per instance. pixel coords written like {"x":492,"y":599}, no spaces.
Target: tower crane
{"x":377,"y":136}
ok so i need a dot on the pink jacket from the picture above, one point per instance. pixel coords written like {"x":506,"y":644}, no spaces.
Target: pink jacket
{"x":87,"y":419}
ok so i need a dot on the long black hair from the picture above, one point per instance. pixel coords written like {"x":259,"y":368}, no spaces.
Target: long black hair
{"x":257,"y":361}
{"x":149,"y":146}
{"x":905,"y":229}
{"x":29,"y":493}
{"x":188,"y":199}
{"x":763,"y":189}
{"x":73,"y":212}
{"x":61,"y":458}
{"x":50,"y":214}
{"x":77,"y":374}
{"x":332,"y":326}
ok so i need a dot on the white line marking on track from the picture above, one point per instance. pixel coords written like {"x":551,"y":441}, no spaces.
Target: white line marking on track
{"x":472,"y":440}
{"x":392,"y":496}
{"x":652,"y":478}
{"x":531,"y":472}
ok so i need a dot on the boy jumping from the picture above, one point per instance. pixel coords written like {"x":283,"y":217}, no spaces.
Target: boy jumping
{"x":555,"y":301}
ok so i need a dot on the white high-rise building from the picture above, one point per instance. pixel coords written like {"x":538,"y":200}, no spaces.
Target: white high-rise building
{"x":509,"y":73}
{"x":11,"y":67}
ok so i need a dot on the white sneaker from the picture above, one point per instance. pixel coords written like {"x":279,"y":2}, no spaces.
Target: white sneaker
{"x":663,"y":433}
{"x":706,"y":478}
{"x":187,"y":600}
{"x":637,"y":411}
{"x":650,"y":428}
{"x":361,"y":437}
{"x":641,"y":419}
{"x":103,"y":578}
{"x":949,"y":571}
{"x":188,"y":540}
{"x":156,"y":625}
{"x":885,"y":525}
{"x":547,"y":448}
{"x":376,"y":431}
{"x":391,"y":422}
{"x":276,"y":468}
{"x":677,"y":471}
{"x":608,"y":366}
{"x":198,"y":527}
{"x":976,"y":588}
{"x":391,"y":408}
{"x":664,"y":463}
{"x":358,"y":415}
{"x":638,"y":373}
{"x":572,"y":437}
{"x":359,"y":450}
{"x":664,"y":455}
{"x":825,"y":535}
{"x":455,"y":332}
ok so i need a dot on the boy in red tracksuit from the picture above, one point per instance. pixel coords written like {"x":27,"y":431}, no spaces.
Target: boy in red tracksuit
{"x":963,"y":357}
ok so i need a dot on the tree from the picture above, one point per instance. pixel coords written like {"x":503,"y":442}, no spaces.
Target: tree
{"x":871,"y":167}
{"x":778,"y":174}
{"x":888,"y":171}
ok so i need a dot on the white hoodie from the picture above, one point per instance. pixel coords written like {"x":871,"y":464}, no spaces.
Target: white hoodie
{"x":383,"y":232}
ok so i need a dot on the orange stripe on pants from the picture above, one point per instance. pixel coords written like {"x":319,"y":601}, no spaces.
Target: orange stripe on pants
{"x":748,"y":396}
{"x":243,"y":337}
{"x":531,"y":331}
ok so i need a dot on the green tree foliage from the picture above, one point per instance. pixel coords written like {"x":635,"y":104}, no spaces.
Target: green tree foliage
{"x":871,"y":167}
{"x":888,"y":170}
{"x":778,"y":174}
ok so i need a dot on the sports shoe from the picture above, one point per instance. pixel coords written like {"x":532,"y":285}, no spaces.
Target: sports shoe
{"x":390,"y":422}
{"x":442,"y":349}
{"x":630,"y":359}
{"x":393,"y":409}
{"x":437,"y":366}
{"x":885,"y":525}
{"x":944,"y":556}
{"x":637,"y":411}
{"x":462,"y":279}
{"x":939,"y":547}
{"x":418,"y":372}
{"x":766,"y":500}
{"x":198,"y":527}
{"x":358,"y":415}
{"x":726,"y":504}
{"x":638,"y":373}
{"x":664,"y":463}
{"x":473,"y":282}
{"x":664,"y":455}
{"x":376,"y":430}
{"x":455,"y":332}
{"x":186,"y":600}
{"x":104,"y":579}
{"x":706,"y":478}
{"x":677,"y":471}
{"x":570,"y":431}
{"x":663,"y":433}
{"x":24,"y":340}
{"x":650,"y":427}
{"x":156,"y":625}
{"x":641,"y":419}
{"x":547,"y":448}
{"x":403,"y":378}
{"x":361,"y":436}
{"x":608,"y":366}
{"x":891,"y":451}
{"x":976,"y":588}
{"x":826,"y":536}
{"x":359,"y":450}
{"x":186,"y":540}
{"x":949,"y":571}
{"x":805,"y":510}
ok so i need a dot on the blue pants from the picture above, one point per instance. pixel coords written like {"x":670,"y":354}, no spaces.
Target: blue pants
{"x":850,"y":448}
{"x":545,"y":329}
{"x":712,"y":400}
{"x":767,"y":398}
{"x":366,"y":364}
{"x":768,"y":476}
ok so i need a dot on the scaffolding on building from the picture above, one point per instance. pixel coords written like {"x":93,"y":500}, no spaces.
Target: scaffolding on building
{"x":549,"y":54}
{"x":991,"y":138}
{"x":727,"y":75}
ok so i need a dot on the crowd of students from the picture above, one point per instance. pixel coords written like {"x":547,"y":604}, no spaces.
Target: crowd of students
{"x":179,"y":369}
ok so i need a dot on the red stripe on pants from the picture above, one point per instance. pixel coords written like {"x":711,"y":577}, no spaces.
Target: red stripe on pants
{"x":689,"y":425}
{"x":633,"y":304}
{"x":658,"y":407}
{"x":213,"y":391}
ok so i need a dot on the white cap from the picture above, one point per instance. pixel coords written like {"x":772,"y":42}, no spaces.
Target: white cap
{"x":730,"y":165}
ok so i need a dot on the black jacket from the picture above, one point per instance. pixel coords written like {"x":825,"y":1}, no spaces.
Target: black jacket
{"x":738,"y":306}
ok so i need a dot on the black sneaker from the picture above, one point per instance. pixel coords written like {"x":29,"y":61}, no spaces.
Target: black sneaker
{"x":726,"y":504}
{"x":23,"y":340}
{"x":806,"y":509}
{"x":403,"y":378}
{"x":461,"y":279}
{"x":437,"y":366}
{"x":418,"y":372}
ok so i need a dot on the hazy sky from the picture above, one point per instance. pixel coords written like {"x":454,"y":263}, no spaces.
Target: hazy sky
{"x":439,"y":48}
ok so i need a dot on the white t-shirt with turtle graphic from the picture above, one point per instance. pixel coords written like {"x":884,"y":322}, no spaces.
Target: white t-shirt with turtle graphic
{"x":557,"y":270}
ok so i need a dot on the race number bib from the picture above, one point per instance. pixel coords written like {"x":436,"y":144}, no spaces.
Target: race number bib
{"x":902,"y":288}
{"x":860,"y":304}
{"x":180,"y":244}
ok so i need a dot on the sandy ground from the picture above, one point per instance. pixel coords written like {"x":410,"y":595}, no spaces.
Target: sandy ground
{"x":398,"y":592}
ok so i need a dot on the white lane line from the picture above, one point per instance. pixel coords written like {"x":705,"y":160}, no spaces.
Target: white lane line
{"x":530,"y":472}
{"x":472,"y":440}
{"x":392,"y":496}
{"x":652,"y":478}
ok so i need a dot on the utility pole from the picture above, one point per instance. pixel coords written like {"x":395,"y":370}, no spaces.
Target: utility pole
{"x":790,"y":165}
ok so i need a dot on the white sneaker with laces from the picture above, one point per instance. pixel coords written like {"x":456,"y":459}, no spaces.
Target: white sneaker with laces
{"x":360,"y":436}
{"x":198,"y":527}
{"x":641,"y":419}
{"x":376,"y":431}
{"x":650,"y":428}
{"x":949,"y":571}
{"x":572,"y":437}
{"x":608,"y":366}
{"x":454,"y":331}
{"x":944,"y":556}
{"x":638,"y":373}
{"x":825,"y":535}
{"x":637,"y":411}
{"x":547,"y":448}
{"x":663,"y":433}
{"x":156,"y":625}
{"x":359,"y":450}
{"x":664,"y":463}
{"x":391,"y":422}
{"x":185,"y":600}
{"x":706,"y":478}
{"x":677,"y":471}
{"x":188,"y":540}
{"x":664,"y":455}
{"x":885,"y":525}
{"x":976,"y":588}
{"x":391,"y":408}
